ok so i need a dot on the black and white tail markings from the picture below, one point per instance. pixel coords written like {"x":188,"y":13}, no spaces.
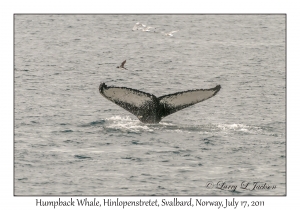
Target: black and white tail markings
{"x":150,"y":109}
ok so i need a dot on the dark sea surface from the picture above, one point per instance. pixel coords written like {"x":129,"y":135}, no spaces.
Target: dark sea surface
{"x":69,"y":140}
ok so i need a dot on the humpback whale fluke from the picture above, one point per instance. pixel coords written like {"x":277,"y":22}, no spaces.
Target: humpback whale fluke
{"x":122,"y":65}
{"x":150,"y":109}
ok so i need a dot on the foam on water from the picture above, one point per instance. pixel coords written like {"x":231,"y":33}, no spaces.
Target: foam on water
{"x":235,"y":127}
{"x":126,"y":124}
{"x":246,"y":129}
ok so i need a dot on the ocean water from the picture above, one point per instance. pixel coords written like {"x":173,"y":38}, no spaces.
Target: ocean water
{"x":69,"y":140}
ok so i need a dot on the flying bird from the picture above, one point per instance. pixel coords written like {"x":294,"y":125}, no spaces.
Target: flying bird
{"x":169,"y":34}
{"x":151,"y":109}
{"x":136,"y":26}
{"x":147,"y":29}
{"x":122,"y":65}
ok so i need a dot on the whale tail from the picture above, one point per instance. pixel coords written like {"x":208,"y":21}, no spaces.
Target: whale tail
{"x":150,"y":109}
{"x":180,"y":100}
{"x":138,"y":103}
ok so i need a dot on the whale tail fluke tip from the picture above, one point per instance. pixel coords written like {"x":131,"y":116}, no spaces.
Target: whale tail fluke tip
{"x":101,"y":86}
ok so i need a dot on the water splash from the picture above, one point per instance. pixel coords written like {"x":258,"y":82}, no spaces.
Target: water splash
{"x":126,"y":124}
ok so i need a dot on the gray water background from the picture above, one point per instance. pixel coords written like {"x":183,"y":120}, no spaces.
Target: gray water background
{"x":69,"y":140}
